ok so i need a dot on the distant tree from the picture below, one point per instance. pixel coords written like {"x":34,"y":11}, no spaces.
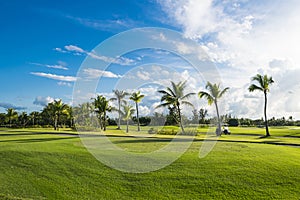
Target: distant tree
{"x":202,"y":113}
{"x":264,"y":83}
{"x":33,"y":116}
{"x":172,"y":116}
{"x":120,"y":95}
{"x":23,"y":119}
{"x":213,"y":95}
{"x":158,"y":119}
{"x":195,"y":117}
{"x":137,"y":97}
{"x":56,"y":109}
{"x":127,"y":115}
{"x":145,"y":121}
{"x":83,"y":114}
{"x":233,"y":122}
{"x":2,"y":118}
{"x":11,"y":115}
{"x":174,"y":97}
{"x":101,"y":107}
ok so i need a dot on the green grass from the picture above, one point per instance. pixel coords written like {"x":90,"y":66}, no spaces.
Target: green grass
{"x":44,"y":164}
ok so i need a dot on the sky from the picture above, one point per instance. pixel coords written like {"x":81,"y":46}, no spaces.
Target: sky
{"x":46,"y":45}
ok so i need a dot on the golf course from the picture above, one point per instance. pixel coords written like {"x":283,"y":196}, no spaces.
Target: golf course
{"x":46,"y":164}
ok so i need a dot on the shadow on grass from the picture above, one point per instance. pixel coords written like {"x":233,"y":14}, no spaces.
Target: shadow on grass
{"x":154,"y":140}
{"x":37,"y":140}
{"x":28,"y":132}
{"x":132,"y":139}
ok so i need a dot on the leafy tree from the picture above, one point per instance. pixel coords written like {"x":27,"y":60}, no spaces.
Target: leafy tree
{"x":56,"y":109}
{"x":202,"y":113}
{"x":213,"y":95}
{"x":195,"y":117}
{"x":2,"y":118}
{"x":233,"y":122}
{"x":120,"y":95}
{"x":33,"y":116}
{"x":23,"y":119}
{"x":264,"y":83}
{"x":82,"y":114}
{"x":101,"y":107}
{"x":137,"y":97}
{"x":11,"y":115}
{"x":127,"y":115}
{"x":174,"y":97}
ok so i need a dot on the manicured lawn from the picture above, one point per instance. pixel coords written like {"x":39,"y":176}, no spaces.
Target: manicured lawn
{"x":43,"y":164}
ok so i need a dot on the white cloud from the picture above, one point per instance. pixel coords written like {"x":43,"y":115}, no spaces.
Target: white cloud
{"x":74,"y":48}
{"x":93,"y":54}
{"x":143,"y":75}
{"x":60,"y":65}
{"x":62,"y":83}
{"x":92,"y":73}
{"x":244,"y":38}
{"x":55,"y":76}
{"x":9,"y":105}
{"x":144,"y":110}
{"x":42,"y":101}
{"x":105,"y":25}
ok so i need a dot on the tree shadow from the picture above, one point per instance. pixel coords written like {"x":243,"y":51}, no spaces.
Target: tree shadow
{"x":32,"y":140}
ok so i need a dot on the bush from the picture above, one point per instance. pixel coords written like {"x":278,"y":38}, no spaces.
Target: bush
{"x":233,"y":122}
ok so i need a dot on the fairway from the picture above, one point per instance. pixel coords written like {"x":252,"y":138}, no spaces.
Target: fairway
{"x":46,"y":164}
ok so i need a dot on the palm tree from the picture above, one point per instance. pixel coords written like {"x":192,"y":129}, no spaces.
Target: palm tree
{"x":56,"y":109}
{"x":11,"y":115}
{"x":137,"y":97}
{"x":23,"y":119}
{"x":127,"y":115}
{"x":214,"y":93}
{"x":101,"y":107}
{"x":120,"y":95}
{"x":174,"y":97}
{"x":264,"y":82}
{"x":33,"y":115}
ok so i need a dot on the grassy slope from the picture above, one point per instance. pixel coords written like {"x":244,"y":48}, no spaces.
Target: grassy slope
{"x":37,"y":165}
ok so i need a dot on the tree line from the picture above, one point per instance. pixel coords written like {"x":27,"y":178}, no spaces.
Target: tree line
{"x":58,"y":114}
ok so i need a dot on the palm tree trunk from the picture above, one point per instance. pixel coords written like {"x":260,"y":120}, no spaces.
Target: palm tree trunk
{"x":218,"y":132}
{"x":180,"y":120}
{"x":137,"y":116}
{"x":127,"y":128}
{"x":119,"y":124}
{"x":55,"y":123}
{"x":104,"y":121}
{"x":265,"y":113}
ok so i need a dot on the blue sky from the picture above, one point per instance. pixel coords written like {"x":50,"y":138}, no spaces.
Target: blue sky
{"x":43,"y":45}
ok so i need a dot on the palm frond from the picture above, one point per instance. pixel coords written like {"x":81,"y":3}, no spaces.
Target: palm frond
{"x":223,"y":92}
{"x":187,"y":103}
{"x":188,"y":95}
{"x":210,"y":98}
{"x":254,"y":87}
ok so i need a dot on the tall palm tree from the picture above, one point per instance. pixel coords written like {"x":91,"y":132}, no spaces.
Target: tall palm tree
{"x":214,"y":93}
{"x":101,"y":107}
{"x":127,"y":115}
{"x":137,"y":97}
{"x":263,"y":85}
{"x":120,"y":95}
{"x":11,"y":115}
{"x":174,"y":97}
{"x":56,"y":109}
